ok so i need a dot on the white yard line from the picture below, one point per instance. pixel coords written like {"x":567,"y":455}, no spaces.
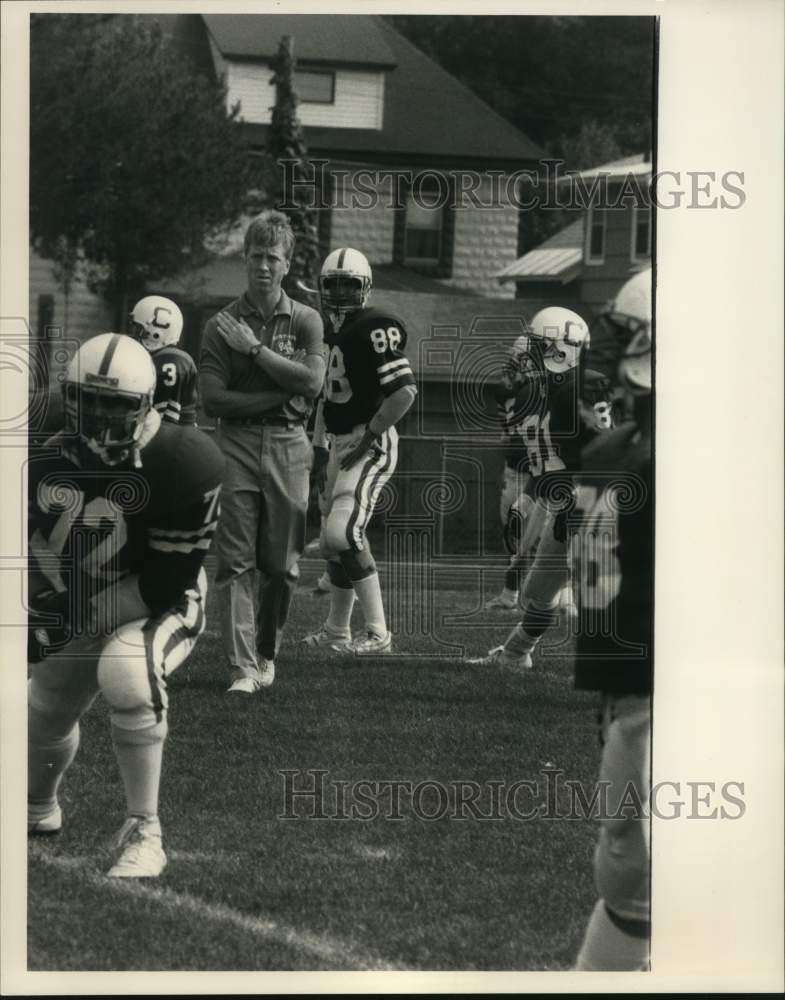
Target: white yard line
{"x":330,"y":951}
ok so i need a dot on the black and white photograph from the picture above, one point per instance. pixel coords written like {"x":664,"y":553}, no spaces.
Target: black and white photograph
{"x":367,"y":445}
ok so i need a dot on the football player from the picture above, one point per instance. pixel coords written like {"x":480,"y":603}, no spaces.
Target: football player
{"x":123,"y":507}
{"x":612,"y":550}
{"x":369,"y":386}
{"x":157,"y":324}
{"x":566,"y":402}
{"x":512,"y":402}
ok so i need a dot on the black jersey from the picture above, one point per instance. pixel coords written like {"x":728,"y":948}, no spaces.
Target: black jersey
{"x":175,"y":388}
{"x":612,"y":558}
{"x":366,"y":363}
{"x":89,"y":527}
{"x":551,"y":417}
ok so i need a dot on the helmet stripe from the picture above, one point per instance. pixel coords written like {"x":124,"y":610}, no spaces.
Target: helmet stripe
{"x":106,"y":361}
{"x":341,"y":256}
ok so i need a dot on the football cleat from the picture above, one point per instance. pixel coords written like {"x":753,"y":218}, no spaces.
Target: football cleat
{"x":266,"y":673}
{"x":368,"y":644}
{"x":243,"y":685}
{"x":141,"y":852}
{"x":500,"y":656}
{"x":325,"y":637}
{"x":51,"y":822}
{"x":501,"y":603}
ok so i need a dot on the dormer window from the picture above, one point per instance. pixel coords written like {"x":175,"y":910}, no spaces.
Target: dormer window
{"x":315,"y":86}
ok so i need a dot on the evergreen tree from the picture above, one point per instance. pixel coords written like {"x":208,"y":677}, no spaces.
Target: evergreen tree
{"x":287,"y":143}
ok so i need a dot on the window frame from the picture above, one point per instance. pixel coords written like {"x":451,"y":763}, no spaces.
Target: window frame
{"x":598,"y":216}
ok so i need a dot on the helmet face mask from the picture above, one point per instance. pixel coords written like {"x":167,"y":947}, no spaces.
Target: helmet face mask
{"x":524,"y":361}
{"x":107,"y":396}
{"x":156,"y":322}
{"x":344,"y":283}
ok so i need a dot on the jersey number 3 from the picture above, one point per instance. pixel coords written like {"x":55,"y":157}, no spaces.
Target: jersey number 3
{"x":170,"y":373}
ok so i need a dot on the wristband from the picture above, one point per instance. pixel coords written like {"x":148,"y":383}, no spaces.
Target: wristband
{"x":254,"y":351}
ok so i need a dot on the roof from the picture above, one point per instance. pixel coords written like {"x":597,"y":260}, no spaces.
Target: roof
{"x":558,"y":258}
{"x":636,"y":165}
{"x":319,"y":38}
{"x":224,"y":277}
{"x":428,"y":114}
{"x":394,"y":278}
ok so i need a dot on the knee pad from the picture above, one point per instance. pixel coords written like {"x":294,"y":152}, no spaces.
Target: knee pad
{"x":131,"y":682}
{"x":358,"y":565}
{"x":338,"y":575}
{"x":335,"y":537}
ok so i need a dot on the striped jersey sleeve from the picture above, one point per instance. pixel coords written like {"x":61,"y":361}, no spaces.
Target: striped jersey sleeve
{"x":175,"y":391}
{"x":388,"y":342}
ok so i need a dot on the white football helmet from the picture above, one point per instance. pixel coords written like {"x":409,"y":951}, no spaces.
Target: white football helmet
{"x":561,"y":334}
{"x":107,"y":395}
{"x":630,"y":313}
{"x":156,"y":322}
{"x":345,"y":282}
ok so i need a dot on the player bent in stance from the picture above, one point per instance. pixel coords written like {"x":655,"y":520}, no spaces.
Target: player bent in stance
{"x":614,"y":523}
{"x":565,"y":403}
{"x":122,"y":511}
{"x":368,"y":387}
{"x":157,"y":324}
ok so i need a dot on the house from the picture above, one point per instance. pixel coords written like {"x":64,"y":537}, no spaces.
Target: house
{"x":417,"y":172}
{"x":402,"y":140}
{"x":590,"y":259}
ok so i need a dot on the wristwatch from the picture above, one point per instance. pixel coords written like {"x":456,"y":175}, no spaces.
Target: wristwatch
{"x":254,"y":351}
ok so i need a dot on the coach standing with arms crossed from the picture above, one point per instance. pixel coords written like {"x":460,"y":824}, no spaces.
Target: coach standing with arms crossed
{"x":261,"y":367}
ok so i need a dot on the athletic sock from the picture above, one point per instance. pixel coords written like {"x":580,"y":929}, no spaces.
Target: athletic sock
{"x":139,"y":754}
{"x":613,"y":943}
{"x":520,"y":642}
{"x":341,"y":607}
{"x":369,"y":594}
{"x":342,"y":598}
{"x":48,"y":758}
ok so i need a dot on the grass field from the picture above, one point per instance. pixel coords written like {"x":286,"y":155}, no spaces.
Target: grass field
{"x":248,"y":890}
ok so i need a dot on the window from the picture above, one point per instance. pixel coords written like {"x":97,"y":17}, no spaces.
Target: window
{"x":315,"y":86}
{"x":595,"y":236}
{"x":424,"y":228}
{"x":640,"y":240}
{"x":424,"y":225}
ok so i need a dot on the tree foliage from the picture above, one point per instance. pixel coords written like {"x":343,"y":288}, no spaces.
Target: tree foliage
{"x":286,"y":141}
{"x":551,"y":76}
{"x":134,"y":158}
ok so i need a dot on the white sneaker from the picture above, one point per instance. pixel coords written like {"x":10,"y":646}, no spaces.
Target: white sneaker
{"x":326,"y":637}
{"x":52,"y":822}
{"x":142,"y":854}
{"x":368,"y":643}
{"x":501,"y":603}
{"x":266,"y":673}
{"x":500,"y":656}
{"x":244,"y":685}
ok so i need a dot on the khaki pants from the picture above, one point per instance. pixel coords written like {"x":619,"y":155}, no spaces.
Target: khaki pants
{"x":260,"y":537}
